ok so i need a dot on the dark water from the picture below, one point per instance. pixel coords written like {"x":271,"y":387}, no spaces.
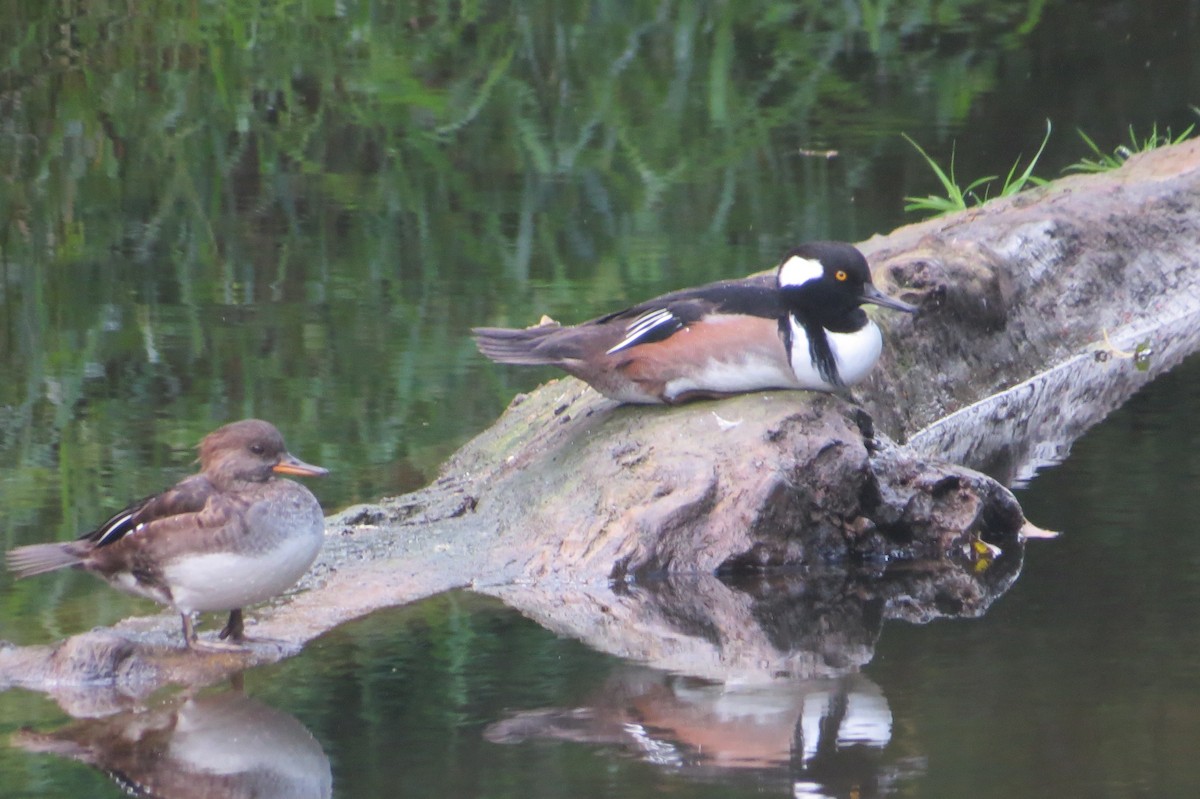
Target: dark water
{"x":1083,"y":680}
{"x":207,"y":214}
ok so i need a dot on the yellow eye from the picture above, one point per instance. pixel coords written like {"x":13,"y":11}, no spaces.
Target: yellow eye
{"x":840,"y":275}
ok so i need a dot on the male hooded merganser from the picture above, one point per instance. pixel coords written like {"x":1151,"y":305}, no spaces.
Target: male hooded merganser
{"x":802,"y":328}
{"x":230,"y":536}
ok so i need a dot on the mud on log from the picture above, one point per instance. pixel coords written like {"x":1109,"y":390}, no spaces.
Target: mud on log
{"x":569,"y":489}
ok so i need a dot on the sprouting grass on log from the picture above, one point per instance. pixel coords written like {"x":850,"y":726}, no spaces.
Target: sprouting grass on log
{"x":1102,"y":161}
{"x":958,"y":198}
{"x":976,"y":192}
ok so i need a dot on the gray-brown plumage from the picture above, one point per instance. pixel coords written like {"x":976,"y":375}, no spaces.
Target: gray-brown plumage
{"x":230,"y":536}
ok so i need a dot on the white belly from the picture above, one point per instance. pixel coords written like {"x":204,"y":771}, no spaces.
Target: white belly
{"x":231,"y":735}
{"x":225,"y":581}
{"x":752,"y":372}
{"x":855,"y":355}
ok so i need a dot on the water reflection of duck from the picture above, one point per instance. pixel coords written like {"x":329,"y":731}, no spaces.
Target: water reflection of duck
{"x":803,"y":329}
{"x":821,"y":736}
{"x":228,"y":537}
{"x":219,"y":746}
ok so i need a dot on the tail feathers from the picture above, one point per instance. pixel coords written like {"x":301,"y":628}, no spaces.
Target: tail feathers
{"x":42,"y":558}
{"x":525,"y":347}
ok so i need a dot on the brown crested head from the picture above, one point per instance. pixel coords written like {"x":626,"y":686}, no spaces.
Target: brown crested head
{"x":249,"y":451}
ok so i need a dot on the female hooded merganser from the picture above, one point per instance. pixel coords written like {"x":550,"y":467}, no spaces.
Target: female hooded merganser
{"x":228,"y":537}
{"x":803,"y":329}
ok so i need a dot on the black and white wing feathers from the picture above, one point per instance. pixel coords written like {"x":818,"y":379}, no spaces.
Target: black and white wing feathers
{"x":188,"y":496}
{"x":660,"y":318}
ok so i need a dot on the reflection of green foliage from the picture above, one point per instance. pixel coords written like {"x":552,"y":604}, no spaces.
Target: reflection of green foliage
{"x":296,"y":211}
{"x":958,"y":198}
{"x":1102,"y":161}
{"x":397,"y":118}
{"x":427,"y":682}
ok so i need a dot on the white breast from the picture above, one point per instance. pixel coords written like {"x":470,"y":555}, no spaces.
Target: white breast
{"x":228,"y":580}
{"x":855,"y":353}
{"x":285,"y":542}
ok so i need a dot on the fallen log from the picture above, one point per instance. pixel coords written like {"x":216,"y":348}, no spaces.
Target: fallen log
{"x":570,"y":489}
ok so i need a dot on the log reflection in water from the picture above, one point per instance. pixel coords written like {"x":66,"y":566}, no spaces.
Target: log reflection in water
{"x":764,"y":627}
{"x":756,"y":673}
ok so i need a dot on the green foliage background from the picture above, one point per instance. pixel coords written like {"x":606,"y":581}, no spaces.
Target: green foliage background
{"x":296,"y":209}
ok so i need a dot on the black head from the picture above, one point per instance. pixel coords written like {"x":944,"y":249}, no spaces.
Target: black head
{"x":250,"y":450}
{"x":825,"y":282}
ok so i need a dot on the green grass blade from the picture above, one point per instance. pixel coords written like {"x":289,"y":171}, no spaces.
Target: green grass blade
{"x":1012,"y":187}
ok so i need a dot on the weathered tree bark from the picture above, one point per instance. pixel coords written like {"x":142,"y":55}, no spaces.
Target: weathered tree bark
{"x":569,"y":494}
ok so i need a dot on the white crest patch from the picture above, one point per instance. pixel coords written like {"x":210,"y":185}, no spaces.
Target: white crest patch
{"x":797,"y":271}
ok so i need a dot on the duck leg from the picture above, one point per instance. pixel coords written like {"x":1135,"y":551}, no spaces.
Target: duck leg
{"x":235,"y":631}
{"x":196,"y":645}
{"x":234,"y":628}
{"x":189,"y":632}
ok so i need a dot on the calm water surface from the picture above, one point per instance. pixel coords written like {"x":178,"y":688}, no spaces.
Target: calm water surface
{"x":1084,"y":680}
{"x":210,"y":215}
